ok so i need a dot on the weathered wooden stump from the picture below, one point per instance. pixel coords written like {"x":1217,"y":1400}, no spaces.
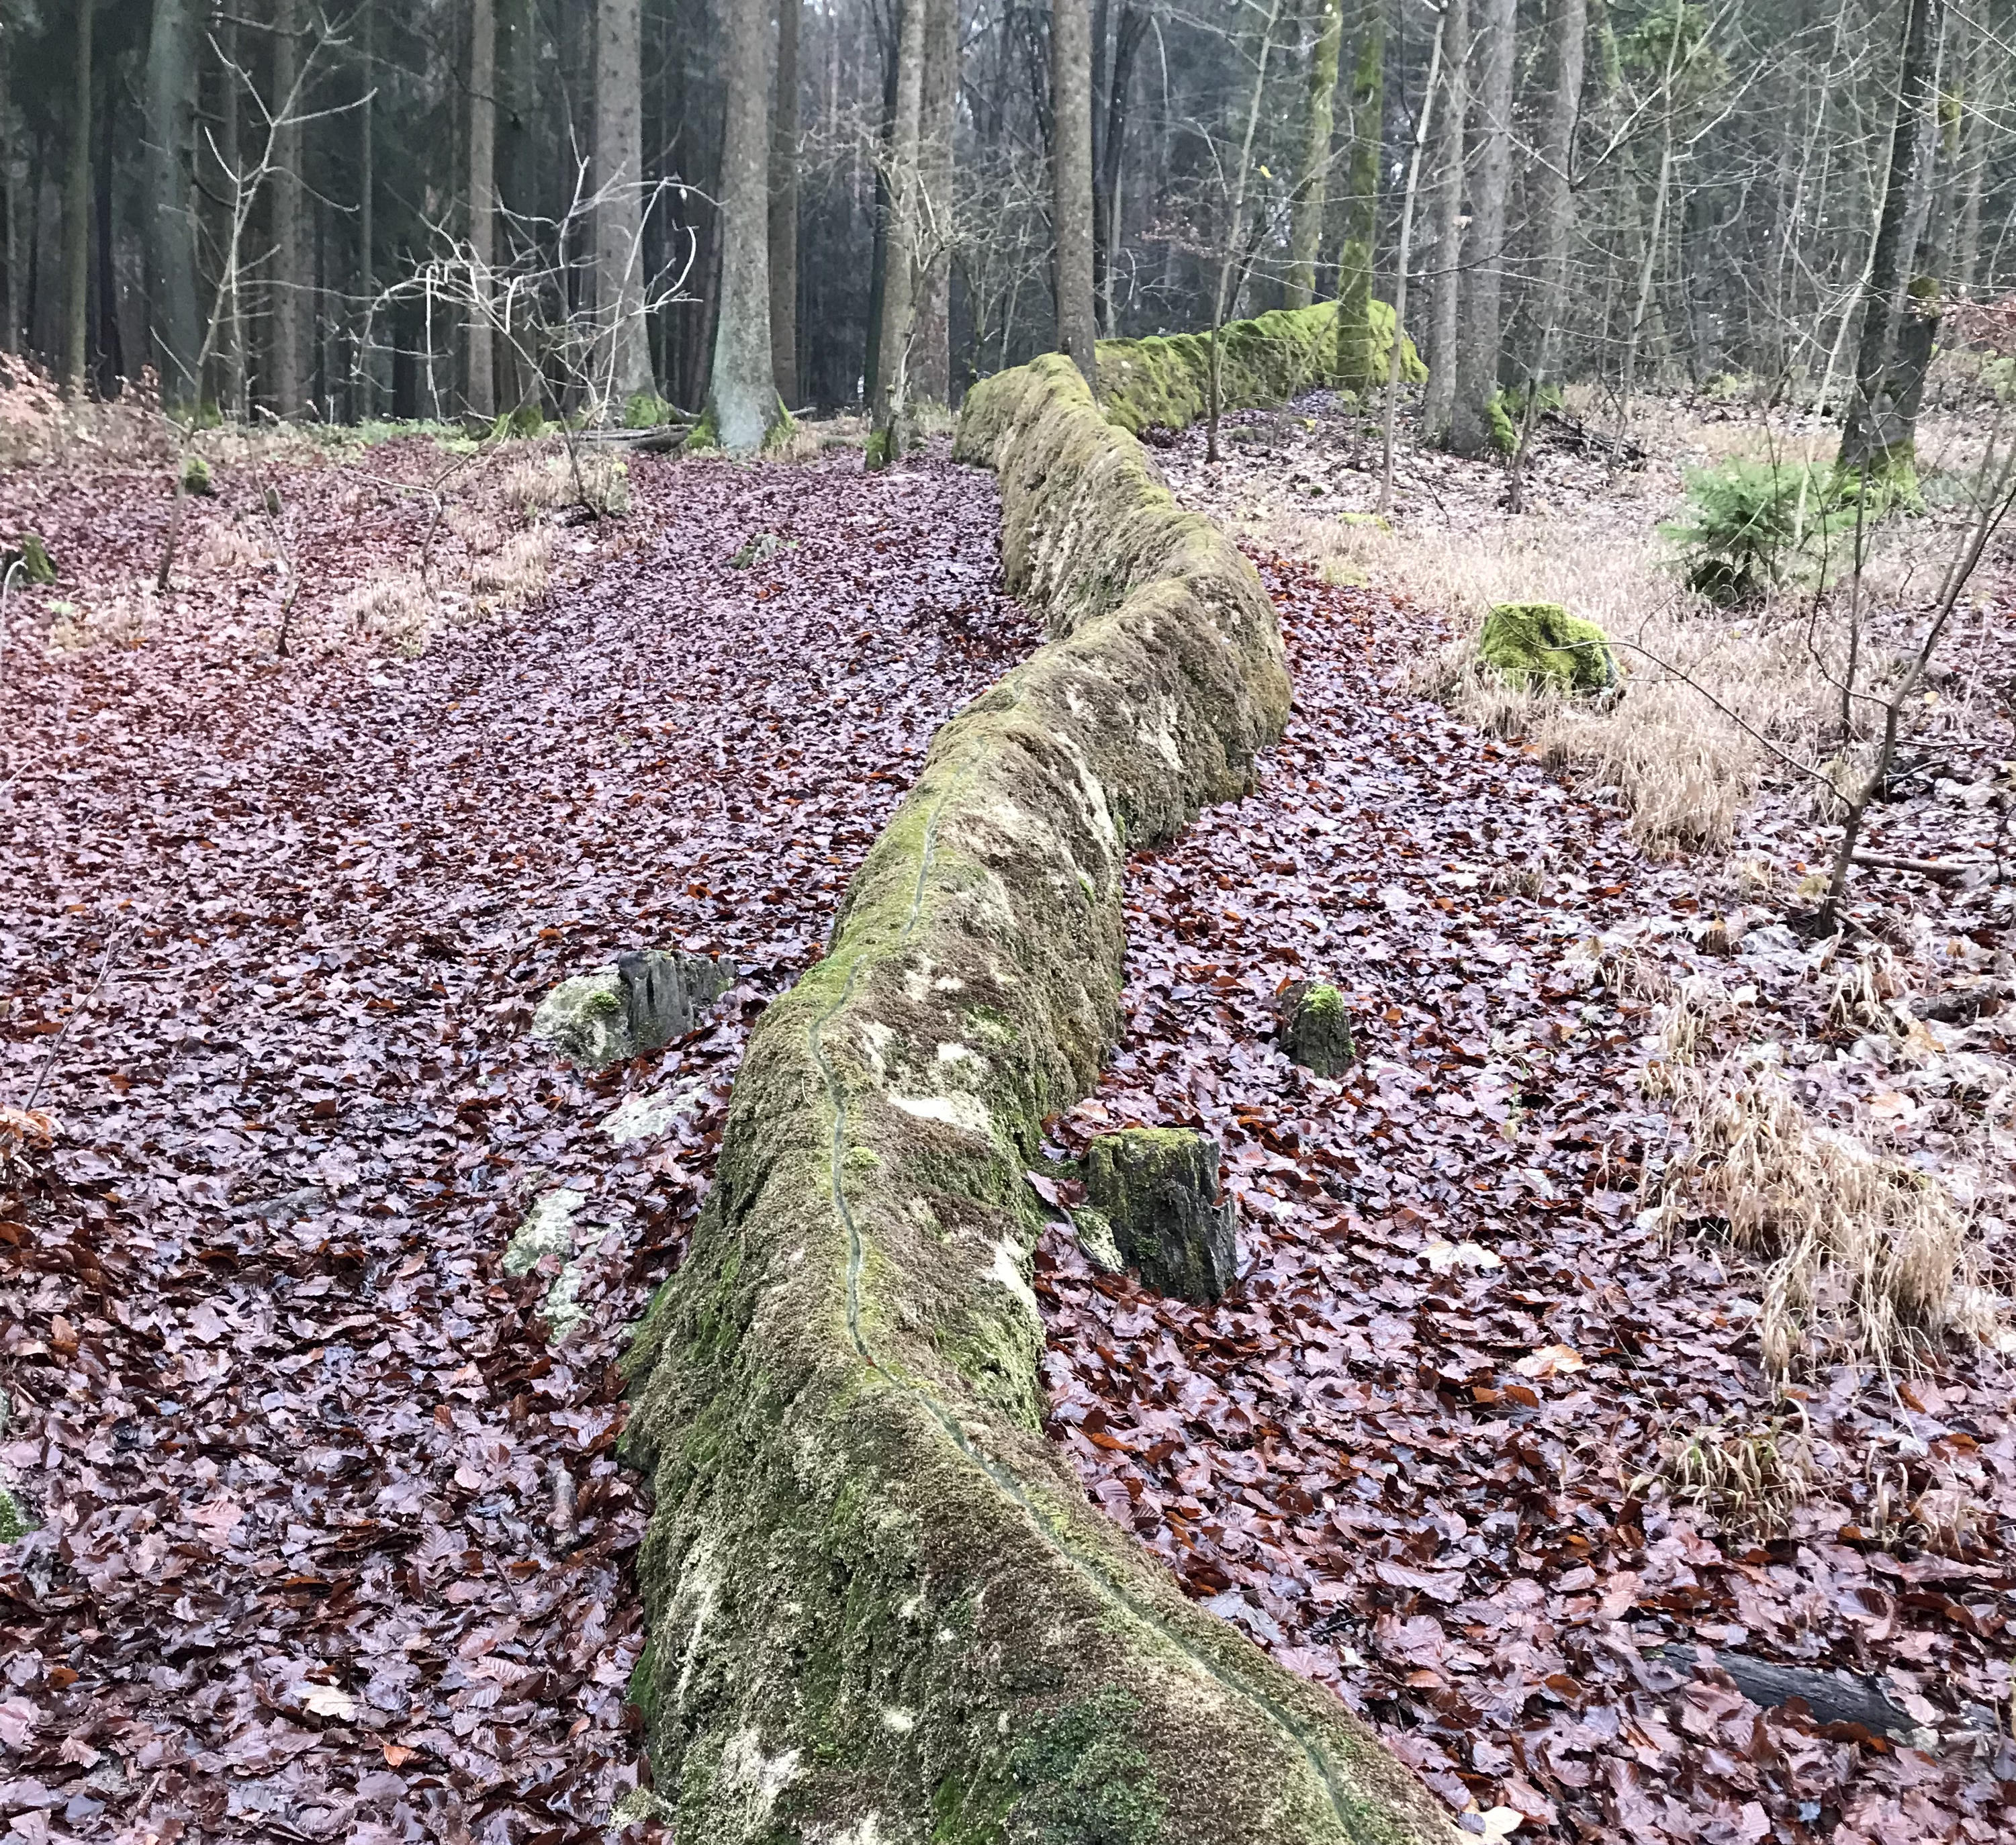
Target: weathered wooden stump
{"x":1316,"y":1030}
{"x":1158,"y":1189}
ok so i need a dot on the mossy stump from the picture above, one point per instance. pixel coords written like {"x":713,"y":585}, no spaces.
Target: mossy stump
{"x":1540,"y":645}
{"x":645,"y":1000}
{"x":1315,"y":1031}
{"x":1158,"y":1188}
{"x":29,"y":551}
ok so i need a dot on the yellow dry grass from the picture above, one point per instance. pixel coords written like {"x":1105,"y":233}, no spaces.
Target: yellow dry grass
{"x":1750,"y":1477}
{"x":542,"y":482}
{"x":396,"y":611}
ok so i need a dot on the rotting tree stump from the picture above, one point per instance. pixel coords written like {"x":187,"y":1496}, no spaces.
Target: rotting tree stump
{"x":1158,"y":1188}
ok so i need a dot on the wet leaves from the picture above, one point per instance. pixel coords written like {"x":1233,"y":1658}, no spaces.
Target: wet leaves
{"x":334,"y":1544}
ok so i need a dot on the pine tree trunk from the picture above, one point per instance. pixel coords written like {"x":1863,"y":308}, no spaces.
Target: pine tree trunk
{"x":1356,"y":362}
{"x":1553,"y":202}
{"x":887,"y":435}
{"x":1305,"y":220}
{"x":77,"y":215}
{"x":1900,"y":312}
{"x":619,"y":168}
{"x":930,"y":364}
{"x":1483,"y":245}
{"x":1071,"y":182}
{"x":743,"y":394}
{"x":1445,"y":292}
{"x":482,"y":202}
{"x":285,"y":327}
{"x":784,"y":206}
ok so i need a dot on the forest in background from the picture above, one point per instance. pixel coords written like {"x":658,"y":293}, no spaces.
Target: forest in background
{"x":449,"y":207}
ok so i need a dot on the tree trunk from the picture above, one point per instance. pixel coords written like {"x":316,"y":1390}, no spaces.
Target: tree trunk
{"x":288,"y":389}
{"x":1071,"y":182}
{"x":1484,"y":246}
{"x":234,"y":372}
{"x":619,"y":168}
{"x":10,"y":335}
{"x":1356,"y":252}
{"x":77,"y":215}
{"x":1105,"y":201}
{"x":1553,"y":204}
{"x":784,"y":206}
{"x":112,"y":366}
{"x":1446,"y":293}
{"x":365,"y":385}
{"x":1900,"y":311}
{"x":743,"y":394}
{"x":1422,"y":128}
{"x":931,"y":365}
{"x":171,"y":228}
{"x":888,"y":435}
{"x":1306,"y":222}
{"x":878,"y":260}
{"x":482,"y":202}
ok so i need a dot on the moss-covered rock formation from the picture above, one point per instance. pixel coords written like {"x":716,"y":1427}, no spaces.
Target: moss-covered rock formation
{"x":1541,"y":646}
{"x":1157,"y":1187}
{"x":880,"y":1607}
{"x":1166,"y":381}
{"x":1316,"y":1032}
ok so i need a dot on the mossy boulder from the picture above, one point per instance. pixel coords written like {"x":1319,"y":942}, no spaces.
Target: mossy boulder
{"x":29,"y":551}
{"x":195,"y":477}
{"x":1541,"y":646}
{"x":1164,"y":381}
{"x":1158,"y":1188}
{"x":1316,"y":1030}
{"x":639,"y":1002}
{"x":879,"y":1605}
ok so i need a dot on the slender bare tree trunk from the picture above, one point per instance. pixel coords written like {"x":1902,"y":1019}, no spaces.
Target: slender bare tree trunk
{"x":1305,"y":220}
{"x":930,"y":364}
{"x":285,"y":324}
{"x":76,"y":216}
{"x":888,"y":434}
{"x":1238,"y":255}
{"x":482,"y":202}
{"x":1484,"y":244}
{"x":1899,"y":318}
{"x":1358,"y":252}
{"x":367,"y":187}
{"x":619,"y":171}
{"x":1554,"y":205}
{"x":1106,"y":225}
{"x":743,"y":394}
{"x":1445,"y":293}
{"x":1071,"y":182}
{"x":1405,"y":254}
{"x":783,"y":224}
{"x":11,"y":175}
{"x":236,"y":371}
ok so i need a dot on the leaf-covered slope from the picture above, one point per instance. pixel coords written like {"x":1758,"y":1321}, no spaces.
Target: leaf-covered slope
{"x":879,"y":1605}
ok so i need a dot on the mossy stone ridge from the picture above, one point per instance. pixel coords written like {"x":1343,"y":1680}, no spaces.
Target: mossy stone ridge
{"x":879,"y":1605}
{"x":1318,"y":1032}
{"x":1158,"y":1188}
{"x":1540,"y":645}
{"x":1165,"y":379}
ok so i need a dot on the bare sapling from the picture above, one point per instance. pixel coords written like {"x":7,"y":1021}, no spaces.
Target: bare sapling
{"x":1420,"y":142}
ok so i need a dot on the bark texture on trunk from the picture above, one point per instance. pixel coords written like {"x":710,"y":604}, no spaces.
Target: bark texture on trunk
{"x":1106,"y":222}
{"x":1484,"y":244}
{"x":1901,"y":310}
{"x":887,"y":435}
{"x":783,"y":228}
{"x":619,"y":169}
{"x":1553,"y":203}
{"x":1446,"y":290}
{"x":1306,"y":222}
{"x":287,"y":324}
{"x":744,"y":395}
{"x":1071,"y":181}
{"x":77,"y":215}
{"x":170,"y":227}
{"x":1357,"y":361}
{"x":930,"y":364}
{"x":482,"y":202}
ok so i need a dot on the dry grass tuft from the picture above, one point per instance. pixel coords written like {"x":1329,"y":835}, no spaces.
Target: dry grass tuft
{"x":516,"y":572}
{"x":396,"y":611}
{"x":549,"y":481}
{"x":121,"y":623}
{"x":1750,"y":1478}
{"x":1865,"y":1253}
{"x":226,"y":550}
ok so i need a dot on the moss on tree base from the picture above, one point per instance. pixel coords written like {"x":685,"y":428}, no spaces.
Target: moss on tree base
{"x":880,"y":1607}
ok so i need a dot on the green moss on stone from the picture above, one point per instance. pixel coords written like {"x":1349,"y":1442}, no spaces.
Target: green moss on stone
{"x":195,"y":477}
{"x":1082,"y":1778}
{"x":1540,"y":645}
{"x":14,"y":1520}
{"x":704,"y":436}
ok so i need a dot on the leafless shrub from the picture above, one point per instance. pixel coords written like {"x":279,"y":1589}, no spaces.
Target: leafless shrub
{"x":1864,"y":1253}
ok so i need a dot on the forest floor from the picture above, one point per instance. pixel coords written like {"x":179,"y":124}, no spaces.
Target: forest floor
{"x":333,"y":1545}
